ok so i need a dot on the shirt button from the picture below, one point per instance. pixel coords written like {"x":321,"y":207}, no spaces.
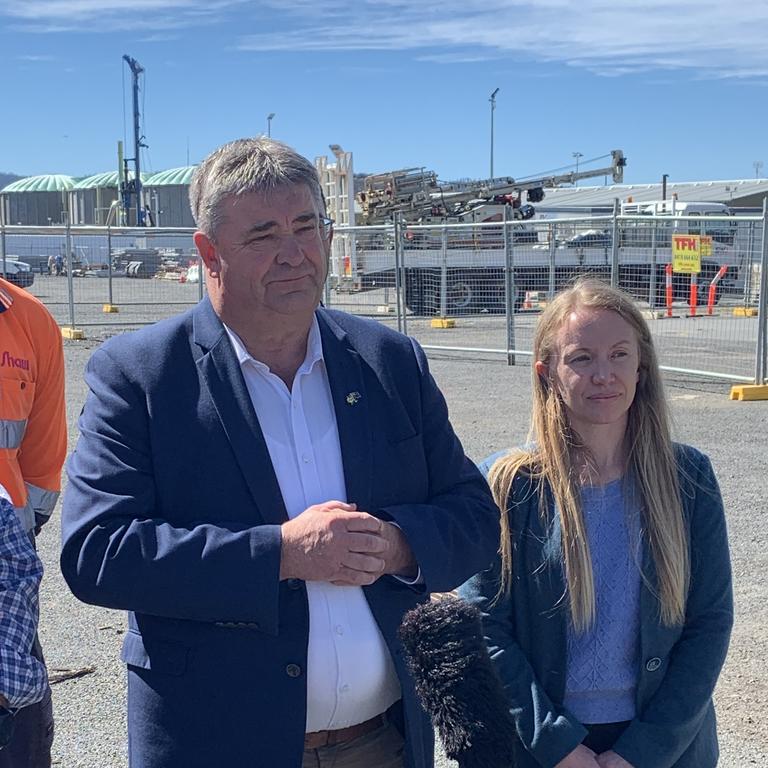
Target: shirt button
{"x":339,"y":629}
{"x":293,"y":670}
{"x":343,"y":689}
{"x":305,"y":458}
{"x":653,"y":664}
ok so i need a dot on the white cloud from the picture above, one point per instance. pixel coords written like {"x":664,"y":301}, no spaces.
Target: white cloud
{"x":159,"y":37}
{"x":49,"y":10}
{"x":711,"y":37}
{"x":62,"y":16}
{"x":460,"y":58}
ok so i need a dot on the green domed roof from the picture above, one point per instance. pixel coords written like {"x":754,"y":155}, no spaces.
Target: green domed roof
{"x":48,"y":183}
{"x":107,"y":180}
{"x":171,"y":177}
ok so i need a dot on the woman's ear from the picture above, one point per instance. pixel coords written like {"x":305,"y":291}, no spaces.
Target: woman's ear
{"x":542,"y":369}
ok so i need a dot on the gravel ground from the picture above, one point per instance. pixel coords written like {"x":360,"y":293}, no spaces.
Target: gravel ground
{"x":90,"y":709}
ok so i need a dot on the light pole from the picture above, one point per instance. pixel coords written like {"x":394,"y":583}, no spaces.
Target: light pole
{"x":493,"y":109}
{"x":758,"y":166}
{"x":269,"y":124}
{"x":576,"y":156}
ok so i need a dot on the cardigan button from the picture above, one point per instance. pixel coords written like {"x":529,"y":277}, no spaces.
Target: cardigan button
{"x":653,"y":664}
{"x":293,"y":583}
{"x":293,"y":670}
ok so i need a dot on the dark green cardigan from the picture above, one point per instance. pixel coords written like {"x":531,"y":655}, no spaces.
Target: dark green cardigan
{"x":526,"y":634}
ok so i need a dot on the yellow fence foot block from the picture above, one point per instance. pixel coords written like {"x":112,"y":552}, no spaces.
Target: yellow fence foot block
{"x":109,"y":308}
{"x":749,"y":392}
{"x":73,"y":333}
{"x":443,"y":322}
{"x":745,"y":312}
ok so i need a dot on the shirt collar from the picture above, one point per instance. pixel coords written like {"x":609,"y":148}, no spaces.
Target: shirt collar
{"x":313,"y":356}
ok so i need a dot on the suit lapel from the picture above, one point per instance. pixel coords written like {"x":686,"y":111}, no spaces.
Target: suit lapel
{"x":220,"y":371}
{"x":351,"y":403}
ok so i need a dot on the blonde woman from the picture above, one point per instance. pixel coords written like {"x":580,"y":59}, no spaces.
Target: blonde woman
{"x":609,"y":609}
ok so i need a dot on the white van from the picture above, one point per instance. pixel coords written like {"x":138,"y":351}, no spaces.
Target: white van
{"x":674,"y":207}
{"x":690,"y":218}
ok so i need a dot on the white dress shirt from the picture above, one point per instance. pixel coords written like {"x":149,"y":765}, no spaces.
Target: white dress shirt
{"x":350,"y":674}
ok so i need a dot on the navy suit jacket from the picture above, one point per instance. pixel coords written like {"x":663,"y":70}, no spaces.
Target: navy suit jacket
{"x":173,"y":513}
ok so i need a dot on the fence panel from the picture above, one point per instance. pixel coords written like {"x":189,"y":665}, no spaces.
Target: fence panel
{"x":707,"y":321}
{"x":371,"y":292}
{"x":119,"y":277}
{"x":459,"y":272}
{"x":473,"y":288}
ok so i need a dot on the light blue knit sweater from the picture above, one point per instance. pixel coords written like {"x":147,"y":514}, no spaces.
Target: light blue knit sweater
{"x":603,"y":661}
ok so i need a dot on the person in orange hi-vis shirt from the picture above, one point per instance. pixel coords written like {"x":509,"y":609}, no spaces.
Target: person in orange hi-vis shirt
{"x":33,"y":444}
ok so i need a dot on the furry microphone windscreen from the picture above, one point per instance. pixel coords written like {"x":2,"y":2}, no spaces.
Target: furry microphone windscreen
{"x":457,"y":684}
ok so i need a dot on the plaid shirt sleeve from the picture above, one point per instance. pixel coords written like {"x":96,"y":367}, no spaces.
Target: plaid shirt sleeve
{"x":23,"y":678}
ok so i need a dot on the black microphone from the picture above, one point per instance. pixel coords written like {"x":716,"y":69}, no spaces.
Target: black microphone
{"x":457,"y":684}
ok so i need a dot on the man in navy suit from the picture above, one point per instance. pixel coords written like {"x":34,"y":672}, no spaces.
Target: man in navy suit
{"x":268,"y":486}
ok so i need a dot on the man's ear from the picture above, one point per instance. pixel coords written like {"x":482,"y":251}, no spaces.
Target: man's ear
{"x":207,"y":251}
{"x":542,"y":369}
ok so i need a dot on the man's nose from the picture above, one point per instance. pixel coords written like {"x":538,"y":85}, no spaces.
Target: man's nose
{"x":290,"y":251}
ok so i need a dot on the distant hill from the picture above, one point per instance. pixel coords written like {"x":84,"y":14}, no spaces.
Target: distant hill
{"x":8,"y":178}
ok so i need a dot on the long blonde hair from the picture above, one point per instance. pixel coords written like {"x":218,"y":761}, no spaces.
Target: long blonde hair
{"x":651,"y":464}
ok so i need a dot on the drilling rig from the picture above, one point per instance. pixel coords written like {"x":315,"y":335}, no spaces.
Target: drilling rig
{"x":464,"y":264}
{"x":416,"y":196}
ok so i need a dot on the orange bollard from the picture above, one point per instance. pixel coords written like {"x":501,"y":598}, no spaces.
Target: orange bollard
{"x":668,"y":286}
{"x":713,"y":288}
{"x":694,"y":294}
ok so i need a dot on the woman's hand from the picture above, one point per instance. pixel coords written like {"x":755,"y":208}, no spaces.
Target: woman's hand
{"x":610,"y":759}
{"x":581,"y":757}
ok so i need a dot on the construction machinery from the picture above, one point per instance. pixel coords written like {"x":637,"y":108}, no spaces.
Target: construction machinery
{"x":458,"y":257}
{"x":417,"y":197}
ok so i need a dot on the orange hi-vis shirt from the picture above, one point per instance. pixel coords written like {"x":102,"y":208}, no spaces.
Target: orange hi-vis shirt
{"x":33,"y":427}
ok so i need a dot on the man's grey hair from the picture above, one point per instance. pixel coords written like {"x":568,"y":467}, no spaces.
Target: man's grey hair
{"x":247,"y":165}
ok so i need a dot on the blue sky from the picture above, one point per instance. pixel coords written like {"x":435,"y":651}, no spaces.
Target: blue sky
{"x":678,"y":85}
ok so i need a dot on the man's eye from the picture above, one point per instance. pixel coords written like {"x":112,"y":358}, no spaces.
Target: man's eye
{"x":265,"y":238}
{"x":309,"y":229}
{"x":620,"y":353}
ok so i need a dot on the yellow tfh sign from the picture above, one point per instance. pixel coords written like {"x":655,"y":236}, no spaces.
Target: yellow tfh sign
{"x":686,"y":253}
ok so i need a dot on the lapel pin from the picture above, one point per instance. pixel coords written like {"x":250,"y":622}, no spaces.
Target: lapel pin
{"x":353,"y":398}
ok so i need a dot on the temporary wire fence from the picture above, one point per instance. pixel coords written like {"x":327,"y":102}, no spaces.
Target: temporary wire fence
{"x":474,"y":289}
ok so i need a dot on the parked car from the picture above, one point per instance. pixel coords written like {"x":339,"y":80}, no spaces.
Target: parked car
{"x":17,"y":272}
{"x":592,"y":238}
